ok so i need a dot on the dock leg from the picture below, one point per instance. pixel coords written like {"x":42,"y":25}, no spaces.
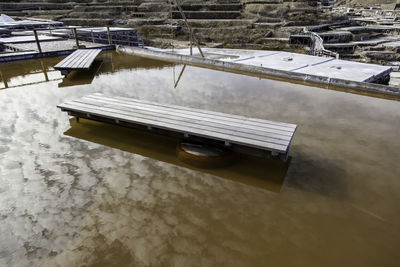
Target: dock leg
{"x":286,"y":156}
{"x":64,"y":72}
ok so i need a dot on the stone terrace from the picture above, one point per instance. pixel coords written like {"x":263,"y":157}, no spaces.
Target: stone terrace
{"x":233,"y":22}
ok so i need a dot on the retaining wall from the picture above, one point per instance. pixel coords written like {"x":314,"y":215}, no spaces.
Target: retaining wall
{"x":331,"y":83}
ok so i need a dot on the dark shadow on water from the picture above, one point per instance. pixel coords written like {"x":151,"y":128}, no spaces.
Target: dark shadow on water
{"x":81,"y":77}
{"x":267,"y":174}
{"x":319,"y":175}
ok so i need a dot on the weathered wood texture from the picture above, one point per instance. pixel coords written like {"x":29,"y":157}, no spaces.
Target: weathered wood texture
{"x":81,"y":59}
{"x":231,"y":129}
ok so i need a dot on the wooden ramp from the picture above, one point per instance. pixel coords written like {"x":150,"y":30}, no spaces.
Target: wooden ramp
{"x":240,"y":133}
{"x":81,"y":59}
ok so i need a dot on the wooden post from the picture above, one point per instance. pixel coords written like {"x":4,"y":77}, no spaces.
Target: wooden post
{"x":76,"y":38}
{"x":188,"y":26}
{"x":4,"y":80}
{"x":191,"y":43}
{"x":109,"y":36}
{"x":46,"y":77}
{"x":37,"y":41}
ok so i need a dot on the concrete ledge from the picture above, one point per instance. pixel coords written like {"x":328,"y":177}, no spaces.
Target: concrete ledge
{"x":326,"y":82}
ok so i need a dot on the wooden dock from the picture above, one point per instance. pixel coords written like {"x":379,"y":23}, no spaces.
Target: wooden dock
{"x":243,"y":134}
{"x":81,"y":59}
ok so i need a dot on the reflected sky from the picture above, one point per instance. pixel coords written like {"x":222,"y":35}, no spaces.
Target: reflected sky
{"x":71,"y":201}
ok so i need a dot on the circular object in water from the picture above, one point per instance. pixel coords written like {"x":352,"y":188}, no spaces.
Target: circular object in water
{"x":204,"y":156}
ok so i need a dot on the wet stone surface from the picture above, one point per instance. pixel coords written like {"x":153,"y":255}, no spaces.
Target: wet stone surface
{"x":66,"y":201}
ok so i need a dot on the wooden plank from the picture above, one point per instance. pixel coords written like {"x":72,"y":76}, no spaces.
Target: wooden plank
{"x":94,"y":55}
{"x":75,"y":64}
{"x":228,"y":116}
{"x":210,"y":114}
{"x":196,"y":131}
{"x":231,"y":125}
{"x":72,"y":62}
{"x":67,"y":60}
{"x":193,"y":123}
{"x":259,"y":133}
{"x":80,"y":59}
{"x":89,"y":60}
{"x":71,"y":57}
{"x":288,"y":125}
{"x":222,"y":116}
{"x":239,"y":121}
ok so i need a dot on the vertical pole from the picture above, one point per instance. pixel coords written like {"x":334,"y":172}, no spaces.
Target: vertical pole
{"x":191,"y":42}
{"x":109,"y":36}
{"x":76,"y":38}
{"x":46,"y":77}
{"x":4,"y":80}
{"x":188,"y":26}
{"x":37,"y":41}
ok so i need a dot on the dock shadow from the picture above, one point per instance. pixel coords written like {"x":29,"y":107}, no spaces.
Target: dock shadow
{"x":267,"y":174}
{"x":81,"y":77}
{"x":326,"y":177}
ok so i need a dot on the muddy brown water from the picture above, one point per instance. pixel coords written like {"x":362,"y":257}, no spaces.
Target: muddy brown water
{"x":91,"y":194}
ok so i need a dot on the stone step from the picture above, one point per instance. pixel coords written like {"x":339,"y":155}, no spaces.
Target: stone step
{"x":271,"y":20}
{"x":201,"y":23}
{"x":17,"y":13}
{"x":34,"y":13}
{"x":5,"y":7}
{"x":207,"y":14}
{"x":241,"y":34}
{"x":144,"y":21}
{"x":211,"y":7}
{"x":267,"y":25}
{"x":160,"y":35}
{"x":40,"y":1}
{"x":86,"y":22}
{"x":232,"y":28}
{"x":158,"y":30}
{"x":154,"y":7}
{"x":99,"y":15}
{"x":113,"y":8}
{"x":185,"y":2}
{"x":261,"y":2}
{"x":108,"y":3}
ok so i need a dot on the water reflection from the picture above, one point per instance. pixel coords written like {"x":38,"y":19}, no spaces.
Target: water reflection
{"x":179,"y":77}
{"x":263,"y":173}
{"x":35,"y":72}
{"x":65,"y":201}
{"x":31,"y":72}
{"x":81,"y":77}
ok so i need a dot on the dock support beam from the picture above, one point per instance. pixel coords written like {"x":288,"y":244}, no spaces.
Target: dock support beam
{"x":109,"y":36}
{"x":76,"y":37}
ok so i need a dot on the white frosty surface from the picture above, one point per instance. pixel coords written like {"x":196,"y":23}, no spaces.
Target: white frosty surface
{"x":286,"y":61}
